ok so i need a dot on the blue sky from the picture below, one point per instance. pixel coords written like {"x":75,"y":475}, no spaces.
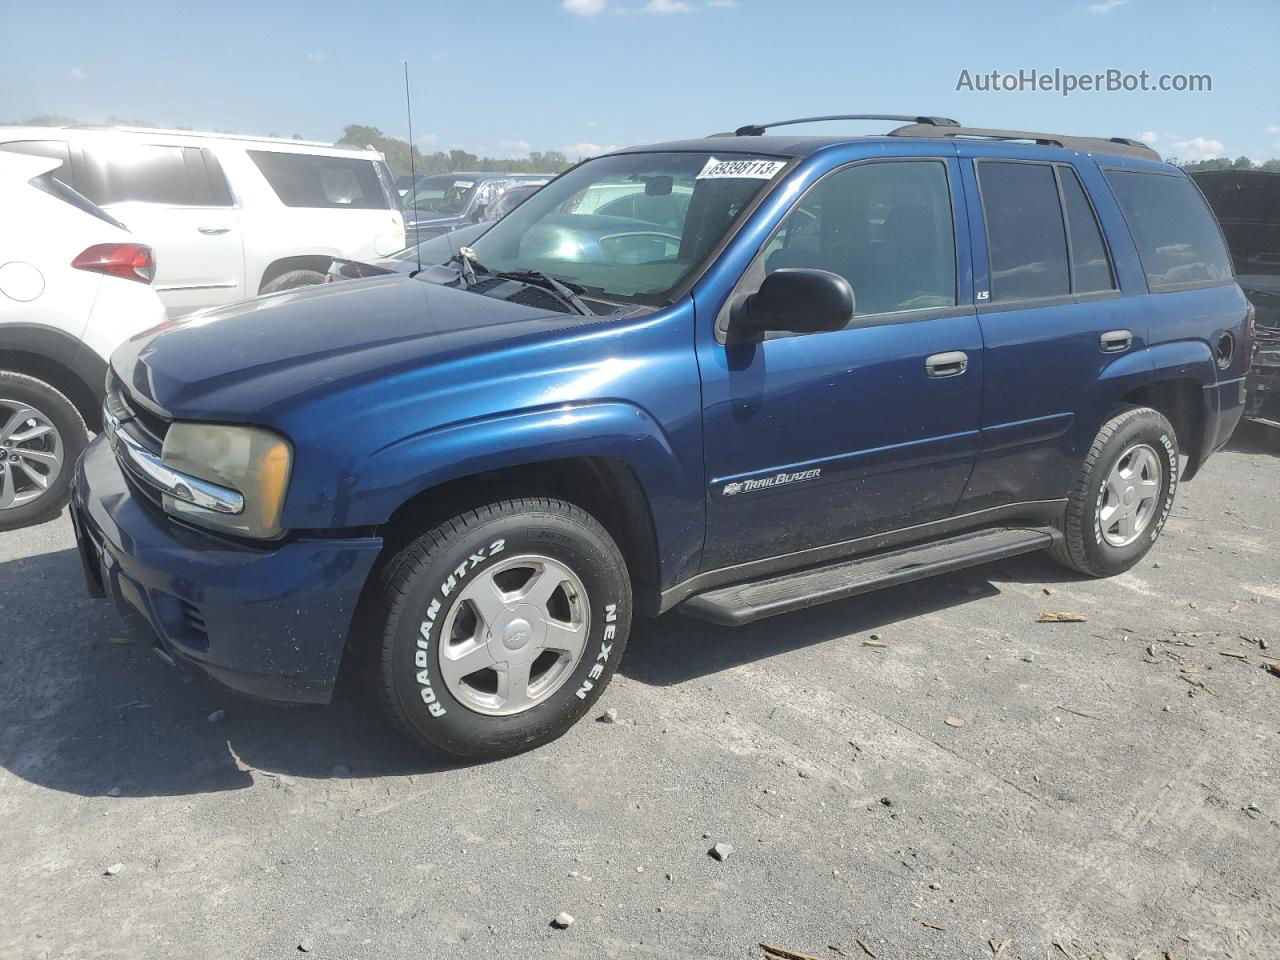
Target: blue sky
{"x":577,"y":75}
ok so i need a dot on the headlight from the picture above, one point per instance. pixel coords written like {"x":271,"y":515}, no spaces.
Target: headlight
{"x":249,"y":460}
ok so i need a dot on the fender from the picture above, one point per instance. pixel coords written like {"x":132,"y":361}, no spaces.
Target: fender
{"x":672,"y":483}
{"x":83,"y":372}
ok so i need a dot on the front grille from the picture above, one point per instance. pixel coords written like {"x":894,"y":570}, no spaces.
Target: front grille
{"x":151,"y":428}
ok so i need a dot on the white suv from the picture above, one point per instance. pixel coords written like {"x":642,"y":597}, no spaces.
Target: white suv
{"x":74,"y":285}
{"x":229,"y":217}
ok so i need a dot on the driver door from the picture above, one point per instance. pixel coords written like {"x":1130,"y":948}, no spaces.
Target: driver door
{"x":819,"y":438}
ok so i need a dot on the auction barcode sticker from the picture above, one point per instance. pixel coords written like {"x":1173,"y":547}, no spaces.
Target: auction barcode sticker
{"x":753,"y":169}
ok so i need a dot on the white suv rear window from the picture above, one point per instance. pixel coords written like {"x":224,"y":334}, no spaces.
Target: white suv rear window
{"x":307,"y":180}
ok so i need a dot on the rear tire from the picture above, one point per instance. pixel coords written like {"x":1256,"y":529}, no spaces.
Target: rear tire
{"x":292,"y":280}
{"x":1122,"y":496}
{"x":42,"y":435}
{"x":497,"y":630}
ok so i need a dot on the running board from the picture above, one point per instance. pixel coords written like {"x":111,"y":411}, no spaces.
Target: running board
{"x":746,"y":602}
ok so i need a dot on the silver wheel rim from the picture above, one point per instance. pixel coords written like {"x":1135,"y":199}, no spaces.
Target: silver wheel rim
{"x":1131,"y":496}
{"x":514,"y":635}
{"x":31,"y":454}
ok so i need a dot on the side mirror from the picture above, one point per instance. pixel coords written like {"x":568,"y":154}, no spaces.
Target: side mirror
{"x":796,"y":300}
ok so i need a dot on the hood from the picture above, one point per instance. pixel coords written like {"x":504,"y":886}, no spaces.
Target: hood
{"x":242,"y":362}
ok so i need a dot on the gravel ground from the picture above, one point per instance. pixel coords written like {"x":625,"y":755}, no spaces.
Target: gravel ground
{"x":925,"y":772}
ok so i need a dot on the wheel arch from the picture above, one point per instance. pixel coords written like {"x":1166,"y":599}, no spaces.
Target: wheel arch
{"x":61,"y":361}
{"x":319,"y":262}
{"x":604,"y":486}
{"x":1181,"y":401}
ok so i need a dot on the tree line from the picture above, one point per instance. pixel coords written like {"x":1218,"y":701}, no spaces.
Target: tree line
{"x":397,"y":153}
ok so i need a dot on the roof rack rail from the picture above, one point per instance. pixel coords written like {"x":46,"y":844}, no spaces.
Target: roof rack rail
{"x":1120,"y":145}
{"x":758,"y":129}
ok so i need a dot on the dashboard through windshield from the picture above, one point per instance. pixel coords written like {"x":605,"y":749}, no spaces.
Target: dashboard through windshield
{"x":628,"y":227}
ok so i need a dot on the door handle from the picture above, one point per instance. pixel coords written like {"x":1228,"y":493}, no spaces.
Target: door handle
{"x":949,"y":364}
{"x":213,"y":231}
{"x":1115,"y":341}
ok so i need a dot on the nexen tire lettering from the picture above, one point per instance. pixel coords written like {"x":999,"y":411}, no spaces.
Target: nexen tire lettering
{"x":606,"y":648}
{"x":422,"y":653}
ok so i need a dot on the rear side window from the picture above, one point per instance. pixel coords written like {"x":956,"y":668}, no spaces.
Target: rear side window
{"x":1178,"y":239}
{"x":53,"y":149}
{"x":1090,"y":268}
{"x":886,"y":227}
{"x":143,"y":173}
{"x":307,"y":180}
{"x":1026,"y":237}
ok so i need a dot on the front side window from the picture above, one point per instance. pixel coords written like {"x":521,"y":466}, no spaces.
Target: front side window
{"x":886,"y":227}
{"x":1026,"y":236}
{"x":631,"y":226}
{"x":1178,"y":240}
{"x":318,"y":182}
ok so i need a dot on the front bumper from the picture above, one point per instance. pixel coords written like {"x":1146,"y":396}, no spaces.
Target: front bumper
{"x":269,"y":621}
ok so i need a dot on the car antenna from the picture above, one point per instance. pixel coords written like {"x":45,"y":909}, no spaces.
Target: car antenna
{"x":413,"y":179}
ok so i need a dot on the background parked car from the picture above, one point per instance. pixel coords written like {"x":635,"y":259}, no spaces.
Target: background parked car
{"x":1247,"y":204}
{"x":509,"y":198}
{"x":229,"y":217}
{"x":445,"y":202}
{"x":70,"y":293}
{"x":428,"y":253}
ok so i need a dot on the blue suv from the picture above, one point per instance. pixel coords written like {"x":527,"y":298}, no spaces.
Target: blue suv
{"x":774,"y":371}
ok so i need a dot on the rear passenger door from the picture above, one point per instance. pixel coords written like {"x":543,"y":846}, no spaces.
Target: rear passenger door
{"x":1053,"y":319}
{"x":175,"y":199}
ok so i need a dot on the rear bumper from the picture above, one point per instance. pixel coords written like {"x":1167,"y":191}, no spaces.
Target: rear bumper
{"x":270,"y":622}
{"x":1223,"y":407}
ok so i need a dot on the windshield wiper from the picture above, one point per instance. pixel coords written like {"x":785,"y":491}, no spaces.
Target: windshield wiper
{"x":565,"y":291}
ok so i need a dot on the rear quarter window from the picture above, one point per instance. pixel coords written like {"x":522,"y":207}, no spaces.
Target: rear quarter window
{"x":1177,"y":237}
{"x":308,"y":180}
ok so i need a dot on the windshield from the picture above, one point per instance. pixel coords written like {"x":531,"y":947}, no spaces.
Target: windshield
{"x":629,"y":226}
{"x":444,"y":196}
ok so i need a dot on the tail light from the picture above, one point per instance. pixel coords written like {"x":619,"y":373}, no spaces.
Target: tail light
{"x":130,"y":261}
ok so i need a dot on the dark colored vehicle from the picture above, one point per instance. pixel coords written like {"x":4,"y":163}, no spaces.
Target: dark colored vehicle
{"x":440,"y":204}
{"x":509,"y":199}
{"x":1247,"y":203}
{"x":851,"y":363}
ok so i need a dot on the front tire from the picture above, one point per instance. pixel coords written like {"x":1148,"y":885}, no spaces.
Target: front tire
{"x":41,"y":437}
{"x":1122,"y":496}
{"x":498,"y":629}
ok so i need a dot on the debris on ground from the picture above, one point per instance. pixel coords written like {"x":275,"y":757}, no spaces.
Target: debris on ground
{"x":931,"y":926}
{"x":953,"y":722}
{"x":562,"y":921}
{"x":1272,"y":668}
{"x":999,"y":948}
{"x":217,"y":716}
{"x":720,"y":851}
{"x":305,"y":946}
{"x":865,"y":949}
{"x":609,"y":716}
{"x":775,"y":952}
{"x":1233,"y":653}
{"x":1052,"y":617}
{"x":874,"y":642}
{"x":114,"y":870}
